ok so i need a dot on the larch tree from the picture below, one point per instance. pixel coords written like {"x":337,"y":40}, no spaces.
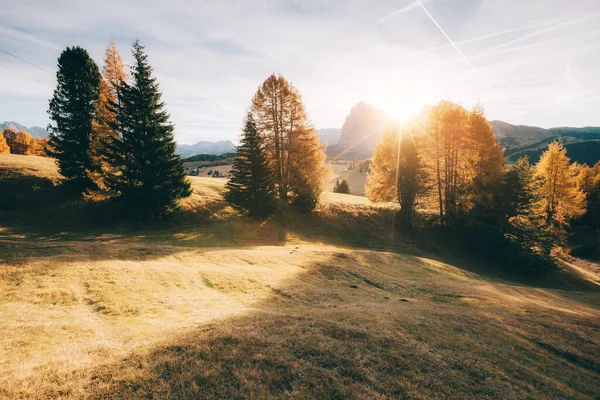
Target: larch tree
{"x":446,"y":145}
{"x":113,"y":77}
{"x":487,"y":163}
{"x":148,"y":176}
{"x":4,"y":148}
{"x":295,"y":154}
{"x":39,"y":147}
{"x":72,"y":109}
{"x":381,"y":180}
{"x":251,"y":188}
{"x":396,"y":172}
{"x":562,"y":197}
{"x":19,"y":142}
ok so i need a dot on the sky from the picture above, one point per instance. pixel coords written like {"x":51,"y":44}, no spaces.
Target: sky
{"x":532,"y":62}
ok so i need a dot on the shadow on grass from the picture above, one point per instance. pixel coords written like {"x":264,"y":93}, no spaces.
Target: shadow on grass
{"x":341,"y":329}
{"x":64,"y":224}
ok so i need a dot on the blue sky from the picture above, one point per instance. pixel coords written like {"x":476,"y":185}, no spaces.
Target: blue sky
{"x":534,"y":62}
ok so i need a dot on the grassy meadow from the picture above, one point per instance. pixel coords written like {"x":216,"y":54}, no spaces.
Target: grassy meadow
{"x":334,"y":305}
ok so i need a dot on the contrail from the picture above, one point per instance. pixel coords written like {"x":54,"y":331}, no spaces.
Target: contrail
{"x":28,"y":76}
{"x":409,"y":7}
{"x":490,"y":35}
{"x":540,"y":32}
{"x":503,"y":48}
{"x":26,"y":62}
{"x":464,"y":57}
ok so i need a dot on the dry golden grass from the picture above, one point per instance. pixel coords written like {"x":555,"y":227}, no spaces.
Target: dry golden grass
{"x":226,"y":307}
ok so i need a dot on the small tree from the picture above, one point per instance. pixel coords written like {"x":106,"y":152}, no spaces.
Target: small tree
{"x":4,"y":148}
{"x":341,"y":186}
{"x":148,"y":176}
{"x":251,"y":188}
{"x":72,"y":108}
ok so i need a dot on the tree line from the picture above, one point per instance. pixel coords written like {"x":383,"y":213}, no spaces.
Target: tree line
{"x":21,"y":142}
{"x":112,"y":136}
{"x":448,"y":160}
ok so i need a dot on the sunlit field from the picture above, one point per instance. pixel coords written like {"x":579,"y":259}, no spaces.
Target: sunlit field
{"x":213,"y":305}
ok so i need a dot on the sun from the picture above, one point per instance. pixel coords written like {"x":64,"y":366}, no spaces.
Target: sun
{"x":400,"y":110}
{"x":400,"y":114}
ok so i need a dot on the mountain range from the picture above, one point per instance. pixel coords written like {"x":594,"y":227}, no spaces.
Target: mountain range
{"x":205,"y":147}
{"x":35,"y":131}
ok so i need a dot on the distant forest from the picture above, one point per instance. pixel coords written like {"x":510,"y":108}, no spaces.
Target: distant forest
{"x":582,"y":152}
{"x":210,"y":157}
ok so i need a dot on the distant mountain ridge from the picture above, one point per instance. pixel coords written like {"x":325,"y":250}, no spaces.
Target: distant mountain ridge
{"x":582,"y":144}
{"x":35,"y":131}
{"x":205,"y":147}
{"x":331,"y":136}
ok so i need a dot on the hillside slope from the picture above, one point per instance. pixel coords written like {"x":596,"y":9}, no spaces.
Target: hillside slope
{"x":327,"y":306}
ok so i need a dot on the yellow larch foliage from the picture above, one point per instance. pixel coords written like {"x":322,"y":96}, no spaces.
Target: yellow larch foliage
{"x":562,"y":197}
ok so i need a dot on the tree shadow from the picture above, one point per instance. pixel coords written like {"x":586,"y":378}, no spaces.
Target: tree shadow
{"x":347,"y":328}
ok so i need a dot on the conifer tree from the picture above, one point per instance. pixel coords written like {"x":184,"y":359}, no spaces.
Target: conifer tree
{"x":341,"y":186}
{"x":520,"y":203}
{"x":148,"y":176}
{"x":72,"y":108}
{"x":589,"y":182}
{"x":562,"y":197}
{"x":251,"y":188}
{"x":3,"y":145}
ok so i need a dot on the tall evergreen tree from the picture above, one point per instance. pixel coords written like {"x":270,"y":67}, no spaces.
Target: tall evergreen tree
{"x":72,"y":108}
{"x":148,"y":176}
{"x":251,"y":187}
